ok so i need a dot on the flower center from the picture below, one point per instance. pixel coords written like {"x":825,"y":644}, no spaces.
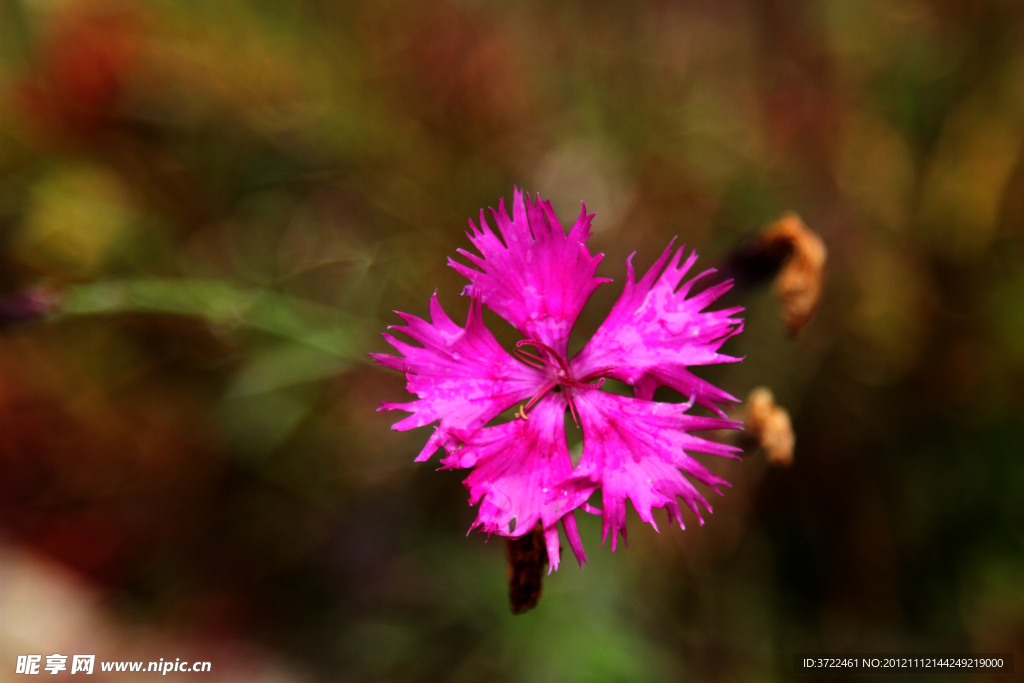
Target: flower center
{"x":559,"y":374}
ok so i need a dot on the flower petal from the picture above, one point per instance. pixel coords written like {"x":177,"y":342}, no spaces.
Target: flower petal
{"x":517,"y":465}
{"x":635,"y":449}
{"x":540,"y":278}
{"x":654,"y":333}
{"x":462,"y":375}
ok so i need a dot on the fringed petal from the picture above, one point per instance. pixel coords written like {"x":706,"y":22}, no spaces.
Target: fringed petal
{"x":516,"y":467}
{"x":635,"y":449}
{"x":462,"y":376}
{"x":654,"y":333}
{"x":539,"y":278}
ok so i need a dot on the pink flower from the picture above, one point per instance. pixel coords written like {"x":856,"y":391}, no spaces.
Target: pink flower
{"x":539,"y":278}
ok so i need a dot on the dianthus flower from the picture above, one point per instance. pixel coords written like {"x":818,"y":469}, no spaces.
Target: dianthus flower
{"x":538,"y":278}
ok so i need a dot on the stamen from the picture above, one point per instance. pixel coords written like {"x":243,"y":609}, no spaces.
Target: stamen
{"x":535,"y":361}
{"x":550,"y":351}
{"x":540,"y":394}
{"x":603,"y":372}
{"x":553,"y":362}
{"x":524,"y":354}
{"x":572,"y":409}
{"x":580,"y":385}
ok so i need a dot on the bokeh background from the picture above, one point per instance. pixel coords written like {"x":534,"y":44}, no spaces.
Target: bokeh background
{"x":208,"y":212}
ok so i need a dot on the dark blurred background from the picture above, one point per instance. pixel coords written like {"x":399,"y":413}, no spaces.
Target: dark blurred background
{"x":208,"y":212}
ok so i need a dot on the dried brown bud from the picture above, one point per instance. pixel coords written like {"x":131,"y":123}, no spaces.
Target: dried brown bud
{"x":768,"y":425}
{"x":800,"y":283}
{"x":526,"y":559}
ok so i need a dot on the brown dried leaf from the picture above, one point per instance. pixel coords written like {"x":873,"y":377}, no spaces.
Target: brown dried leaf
{"x":768,"y":425}
{"x":800,"y":284}
{"x":526,"y":559}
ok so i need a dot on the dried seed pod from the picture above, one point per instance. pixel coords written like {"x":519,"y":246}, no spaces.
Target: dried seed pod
{"x":800,"y":283}
{"x":768,"y":425}
{"x":527,"y":556}
{"x":791,"y":254}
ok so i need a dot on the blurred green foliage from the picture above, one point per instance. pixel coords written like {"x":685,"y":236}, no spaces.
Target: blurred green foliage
{"x":228,"y":199}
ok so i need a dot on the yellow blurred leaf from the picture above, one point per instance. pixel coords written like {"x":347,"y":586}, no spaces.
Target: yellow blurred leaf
{"x":74,"y":218}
